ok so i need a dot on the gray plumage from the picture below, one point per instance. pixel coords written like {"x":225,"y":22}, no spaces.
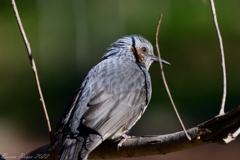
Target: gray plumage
{"x":110,"y":99}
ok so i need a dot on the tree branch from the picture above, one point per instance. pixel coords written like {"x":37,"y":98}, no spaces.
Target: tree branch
{"x":223,"y":59}
{"x":164,"y":79}
{"x":34,"y":68}
{"x":212,"y":131}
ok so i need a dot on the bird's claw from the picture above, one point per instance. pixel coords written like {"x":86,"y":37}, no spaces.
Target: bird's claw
{"x":124,"y":138}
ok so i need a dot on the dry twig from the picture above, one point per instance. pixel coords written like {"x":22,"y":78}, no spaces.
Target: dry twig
{"x":33,"y":66}
{"x":223,"y":59}
{"x":231,"y":136}
{"x":165,"y":82}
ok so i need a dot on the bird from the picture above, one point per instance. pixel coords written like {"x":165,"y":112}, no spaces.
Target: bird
{"x":110,"y":99}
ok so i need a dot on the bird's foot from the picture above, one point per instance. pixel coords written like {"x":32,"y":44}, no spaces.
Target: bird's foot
{"x":124,"y":138}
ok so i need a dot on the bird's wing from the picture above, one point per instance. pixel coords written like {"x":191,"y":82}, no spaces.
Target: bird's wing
{"x":64,"y":119}
{"x":115,"y":94}
{"x":121,"y":100}
{"x":116,"y":113}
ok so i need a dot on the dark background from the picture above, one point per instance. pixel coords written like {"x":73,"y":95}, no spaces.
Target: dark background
{"x":69,"y":37}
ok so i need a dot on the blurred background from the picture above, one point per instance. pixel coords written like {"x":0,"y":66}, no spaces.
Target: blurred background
{"x":69,"y":37}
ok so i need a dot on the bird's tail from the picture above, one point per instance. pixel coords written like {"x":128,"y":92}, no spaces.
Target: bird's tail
{"x":70,"y":149}
{"x":79,"y":149}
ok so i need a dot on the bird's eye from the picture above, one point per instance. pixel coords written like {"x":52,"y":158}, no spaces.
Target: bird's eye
{"x":144,"y":49}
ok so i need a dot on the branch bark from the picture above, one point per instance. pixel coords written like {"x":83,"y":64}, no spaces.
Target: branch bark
{"x":213,"y":131}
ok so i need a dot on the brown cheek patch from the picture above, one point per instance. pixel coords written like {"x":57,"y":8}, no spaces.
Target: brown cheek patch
{"x":138,"y":55}
{"x":133,"y":51}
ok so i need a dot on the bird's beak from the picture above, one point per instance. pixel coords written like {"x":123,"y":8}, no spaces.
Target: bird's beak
{"x":156,"y":60}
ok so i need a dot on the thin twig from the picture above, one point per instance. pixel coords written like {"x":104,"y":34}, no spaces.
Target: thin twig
{"x":33,"y":66}
{"x":223,"y":59}
{"x":231,"y":136}
{"x":164,"y":79}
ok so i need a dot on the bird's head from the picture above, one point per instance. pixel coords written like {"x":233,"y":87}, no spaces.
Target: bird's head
{"x":135,"y":47}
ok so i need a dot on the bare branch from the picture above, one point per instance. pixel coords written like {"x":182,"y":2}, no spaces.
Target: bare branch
{"x":33,"y":66}
{"x":231,"y":137}
{"x":223,"y":59}
{"x":212,"y":131}
{"x":165,"y":82}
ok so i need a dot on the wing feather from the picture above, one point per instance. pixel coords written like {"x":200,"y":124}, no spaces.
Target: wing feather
{"x":118,"y":104}
{"x":111,"y":100}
